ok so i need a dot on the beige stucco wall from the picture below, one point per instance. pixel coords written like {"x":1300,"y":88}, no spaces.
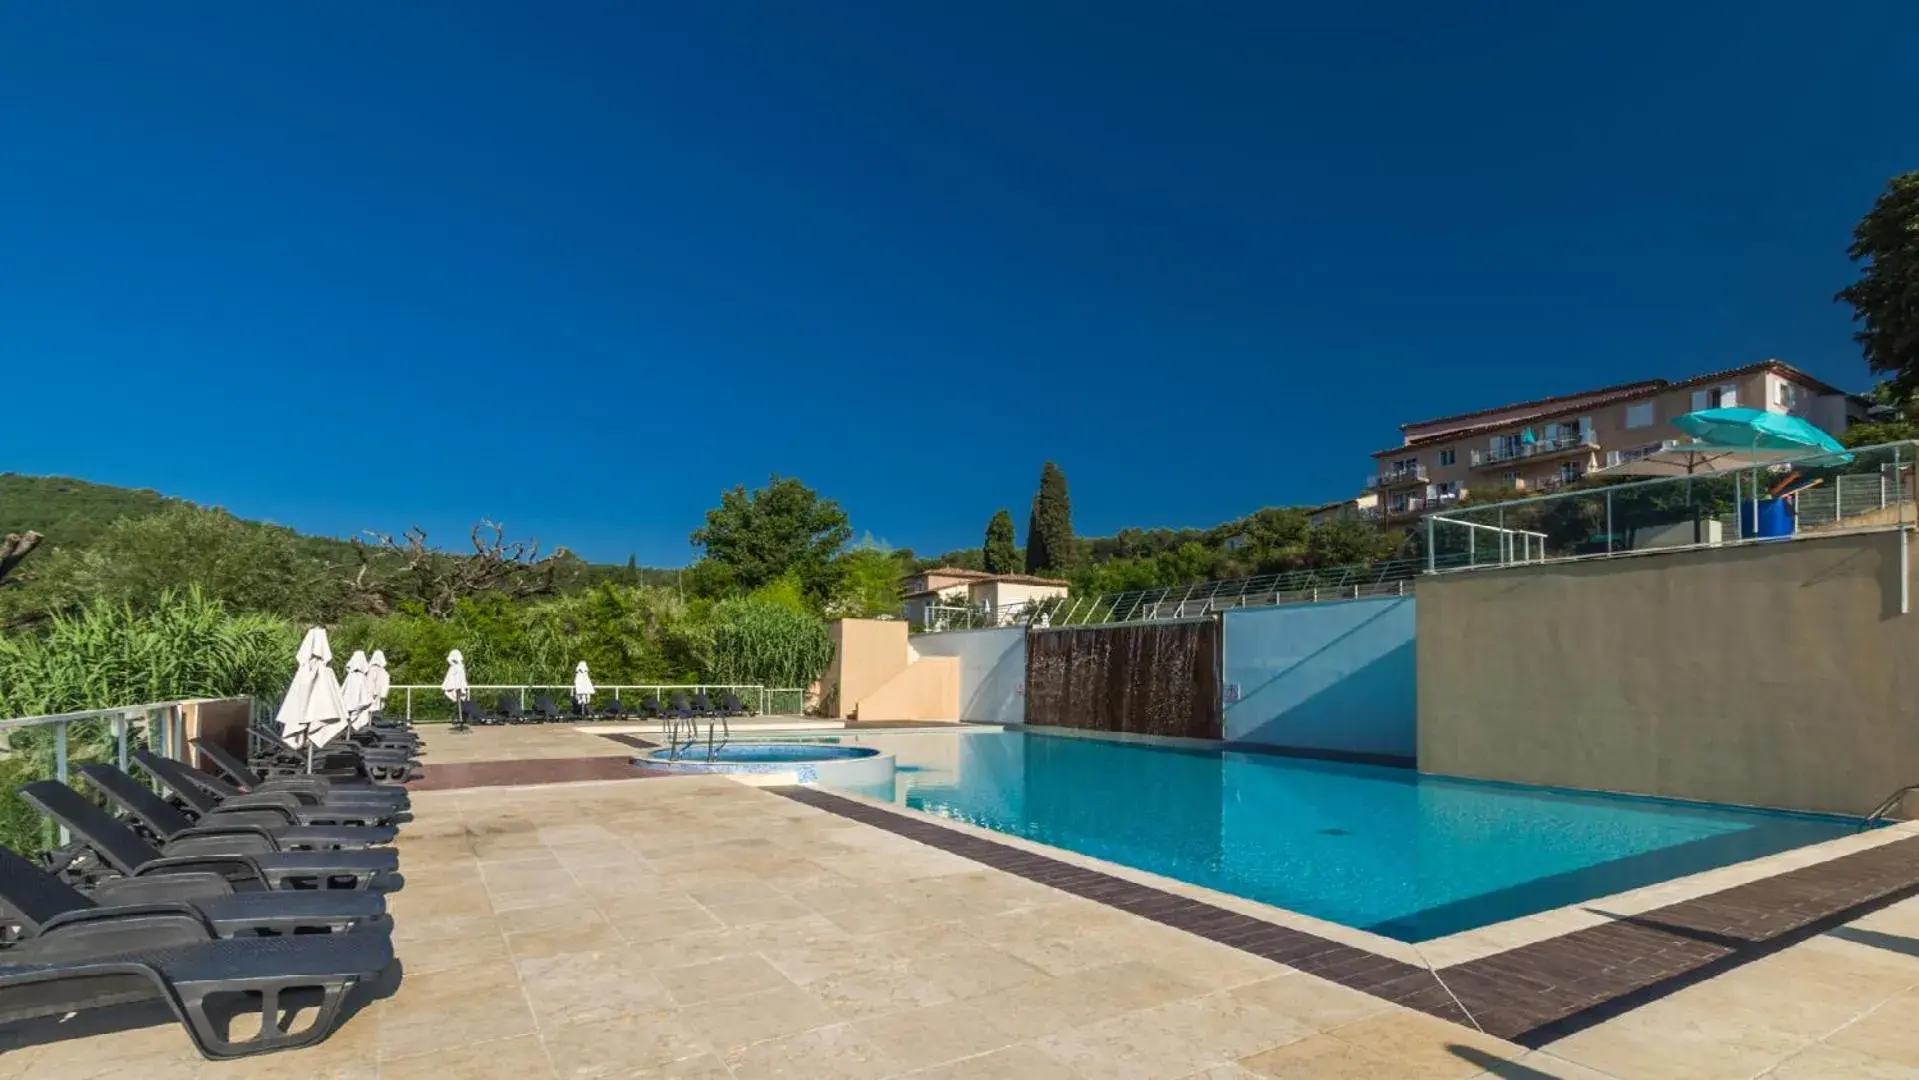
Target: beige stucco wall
{"x":928,"y":689}
{"x":866,"y":654}
{"x":1774,"y":675}
{"x":222,"y":721}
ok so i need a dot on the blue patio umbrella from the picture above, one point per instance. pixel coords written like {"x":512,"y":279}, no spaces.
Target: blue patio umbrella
{"x":1759,"y":430}
{"x":1756,"y":429}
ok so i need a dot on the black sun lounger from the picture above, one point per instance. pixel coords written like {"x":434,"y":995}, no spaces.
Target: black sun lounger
{"x":205,"y":795}
{"x":201,"y":981}
{"x":346,"y":761}
{"x":276,"y":824}
{"x":142,"y":914}
{"x":321,"y":788}
{"x":731,"y":705}
{"x":544,"y":711}
{"x":121,"y":848}
{"x":614,"y":710}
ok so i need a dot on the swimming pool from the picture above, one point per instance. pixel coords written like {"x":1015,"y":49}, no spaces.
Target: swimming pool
{"x":1386,"y":850}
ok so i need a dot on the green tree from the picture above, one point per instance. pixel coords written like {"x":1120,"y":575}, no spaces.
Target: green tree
{"x":1347,"y":541}
{"x":247,"y":566}
{"x":1886,"y":297}
{"x":1000,"y":555}
{"x":1049,"y":532}
{"x":756,"y":536}
{"x":869,"y":582}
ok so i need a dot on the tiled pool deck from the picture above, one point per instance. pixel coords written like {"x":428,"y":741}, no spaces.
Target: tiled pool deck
{"x":695,"y":928}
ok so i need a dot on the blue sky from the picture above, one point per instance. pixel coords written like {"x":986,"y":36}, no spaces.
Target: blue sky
{"x":578,"y":267}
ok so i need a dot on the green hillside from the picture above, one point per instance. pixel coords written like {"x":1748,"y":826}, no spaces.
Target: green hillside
{"x":71,"y":512}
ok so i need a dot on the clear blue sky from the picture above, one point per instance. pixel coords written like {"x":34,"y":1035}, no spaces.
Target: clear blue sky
{"x":578,"y":267}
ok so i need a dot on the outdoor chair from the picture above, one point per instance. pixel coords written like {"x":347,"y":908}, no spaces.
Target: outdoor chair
{"x":124,"y":852}
{"x":41,"y":908}
{"x":203,"y":982}
{"x":650,"y":707}
{"x":508,"y":710}
{"x":614,"y":710}
{"x":731,"y":705}
{"x":680,"y":709}
{"x":275,"y":827}
{"x":319,"y":788}
{"x":544,"y":711}
{"x":703,"y":705}
{"x":201,"y":794}
{"x":208,"y":795}
{"x":346,"y":760}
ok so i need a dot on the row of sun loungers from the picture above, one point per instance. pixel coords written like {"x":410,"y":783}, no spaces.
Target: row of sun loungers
{"x":508,"y":710}
{"x":252,"y":888}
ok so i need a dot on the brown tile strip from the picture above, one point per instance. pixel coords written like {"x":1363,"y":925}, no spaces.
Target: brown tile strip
{"x":1530,"y":995}
{"x":530,"y":771}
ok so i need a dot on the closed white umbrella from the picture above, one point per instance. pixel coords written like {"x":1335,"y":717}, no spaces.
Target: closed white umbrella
{"x":454,"y":685}
{"x":582,"y":686}
{"x":312,"y":712}
{"x":378,"y":682}
{"x":356,"y":693}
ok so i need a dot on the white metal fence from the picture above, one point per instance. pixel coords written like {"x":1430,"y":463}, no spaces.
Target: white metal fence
{"x":427,"y":703}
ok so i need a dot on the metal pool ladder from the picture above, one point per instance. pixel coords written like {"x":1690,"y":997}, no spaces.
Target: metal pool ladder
{"x":1886,"y":806}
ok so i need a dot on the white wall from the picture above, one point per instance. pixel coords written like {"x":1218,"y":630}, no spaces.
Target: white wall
{"x":992,"y":679}
{"x":1333,"y":677}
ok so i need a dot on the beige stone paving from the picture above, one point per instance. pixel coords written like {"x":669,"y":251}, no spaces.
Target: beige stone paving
{"x":698,"y":928}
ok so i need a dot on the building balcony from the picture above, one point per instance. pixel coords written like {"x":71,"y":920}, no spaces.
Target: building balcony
{"x":1544,"y":448}
{"x":1394,"y":478}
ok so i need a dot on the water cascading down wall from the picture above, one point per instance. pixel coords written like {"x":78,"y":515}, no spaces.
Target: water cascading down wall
{"x":1147,"y":679}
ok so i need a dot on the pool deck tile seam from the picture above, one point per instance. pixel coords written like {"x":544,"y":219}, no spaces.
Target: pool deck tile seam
{"x":472,"y":774}
{"x":1532,"y":994}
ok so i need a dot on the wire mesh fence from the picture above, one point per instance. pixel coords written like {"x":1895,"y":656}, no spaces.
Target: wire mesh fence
{"x":1392,"y":577}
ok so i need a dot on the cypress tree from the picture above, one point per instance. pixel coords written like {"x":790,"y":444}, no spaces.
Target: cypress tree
{"x":1049,"y":533}
{"x":1001,"y":556}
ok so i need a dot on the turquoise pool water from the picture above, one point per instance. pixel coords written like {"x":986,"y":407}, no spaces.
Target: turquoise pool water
{"x":1387,"y":850}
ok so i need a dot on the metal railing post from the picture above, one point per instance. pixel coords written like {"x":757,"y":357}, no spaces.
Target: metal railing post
{"x":1429,"y":543}
{"x":120,"y":741}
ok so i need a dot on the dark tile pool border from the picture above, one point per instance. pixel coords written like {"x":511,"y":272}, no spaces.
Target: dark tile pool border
{"x":1533,"y":994}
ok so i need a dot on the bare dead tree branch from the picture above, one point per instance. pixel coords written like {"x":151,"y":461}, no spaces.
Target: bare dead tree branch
{"x":14,"y":549}
{"x":394,"y":571}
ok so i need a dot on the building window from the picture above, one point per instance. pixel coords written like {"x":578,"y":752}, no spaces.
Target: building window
{"x":1640,"y":415}
{"x":1788,"y":393}
{"x":1447,"y":457}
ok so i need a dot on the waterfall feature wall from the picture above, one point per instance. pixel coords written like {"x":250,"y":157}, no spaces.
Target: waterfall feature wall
{"x":1147,"y":679}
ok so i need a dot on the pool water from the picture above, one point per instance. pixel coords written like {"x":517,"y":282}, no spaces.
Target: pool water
{"x":1386,"y":850}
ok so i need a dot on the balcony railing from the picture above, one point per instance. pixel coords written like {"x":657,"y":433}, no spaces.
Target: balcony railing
{"x":1397,"y":477}
{"x":1558,"y":444}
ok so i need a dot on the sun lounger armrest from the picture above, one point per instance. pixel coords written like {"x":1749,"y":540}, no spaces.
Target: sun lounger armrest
{"x":230,"y":866}
{"x":185,"y":886}
{"x":153,"y":913}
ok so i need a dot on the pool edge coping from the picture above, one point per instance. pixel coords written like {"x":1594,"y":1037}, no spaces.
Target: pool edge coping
{"x":1533,"y":991}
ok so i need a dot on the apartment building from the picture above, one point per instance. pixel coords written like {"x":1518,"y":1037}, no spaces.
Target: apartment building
{"x":993,"y":595}
{"x":1543,"y":445}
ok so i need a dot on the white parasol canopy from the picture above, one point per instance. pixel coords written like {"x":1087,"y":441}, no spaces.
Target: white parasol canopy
{"x":356,"y":693}
{"x":582,"y":685}
{"x":311,"y":712}
{"x":1697,"y":459}
{"x":378,"y":682}
{"x":454,"y":685}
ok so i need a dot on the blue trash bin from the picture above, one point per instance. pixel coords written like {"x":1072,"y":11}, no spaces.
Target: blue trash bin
{"x":1774,"y":519}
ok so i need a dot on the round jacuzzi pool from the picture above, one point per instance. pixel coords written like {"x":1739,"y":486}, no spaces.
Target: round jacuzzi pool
{"x":801,"y":762}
